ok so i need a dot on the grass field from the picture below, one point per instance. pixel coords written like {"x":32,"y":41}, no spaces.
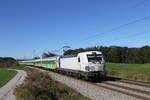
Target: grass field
{"x":6,"y":75}
{"x":139,"y":72}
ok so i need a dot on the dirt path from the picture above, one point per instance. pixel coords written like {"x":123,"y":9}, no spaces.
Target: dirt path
{"x":6,"y":92}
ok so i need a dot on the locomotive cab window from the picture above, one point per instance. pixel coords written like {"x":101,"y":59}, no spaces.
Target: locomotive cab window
{"x":94,"y":57}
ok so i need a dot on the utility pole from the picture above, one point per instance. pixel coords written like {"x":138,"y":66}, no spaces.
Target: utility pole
{"x":65,"y":48}
{"x":34,"y":53}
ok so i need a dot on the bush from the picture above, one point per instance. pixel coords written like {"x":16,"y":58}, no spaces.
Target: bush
{"x":7,"y":62}
{"x":23,"y":93}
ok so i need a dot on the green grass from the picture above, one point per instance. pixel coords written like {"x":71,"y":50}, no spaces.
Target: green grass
{"x":6,"y":75}
{"x":139,"y":72}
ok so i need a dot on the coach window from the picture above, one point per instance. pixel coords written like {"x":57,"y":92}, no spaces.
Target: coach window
{"x":79,"y":59}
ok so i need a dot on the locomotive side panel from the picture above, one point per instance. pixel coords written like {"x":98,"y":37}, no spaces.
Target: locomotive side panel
{"x":70,"y":63}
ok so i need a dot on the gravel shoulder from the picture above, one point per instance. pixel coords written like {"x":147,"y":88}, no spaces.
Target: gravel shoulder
{"x":89,"y":90}
{"x":6,"y":92}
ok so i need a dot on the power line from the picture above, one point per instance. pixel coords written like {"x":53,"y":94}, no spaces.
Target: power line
{"x":118,"y":27}
{"x":64,"y":48}
{"x":114,"y":29}
{"x":139,"y":3}
{"x":125,"y":37}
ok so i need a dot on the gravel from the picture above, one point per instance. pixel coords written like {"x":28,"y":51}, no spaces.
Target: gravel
{"x":89,"y":90}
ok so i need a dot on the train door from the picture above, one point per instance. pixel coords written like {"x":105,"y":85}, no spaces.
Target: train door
{"x":82,"y":62}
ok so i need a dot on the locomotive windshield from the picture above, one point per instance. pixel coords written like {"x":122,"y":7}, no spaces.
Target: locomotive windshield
{"x":94,"y":57}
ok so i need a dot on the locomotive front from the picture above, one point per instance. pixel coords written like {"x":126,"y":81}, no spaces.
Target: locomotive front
{"x":92,"y":63}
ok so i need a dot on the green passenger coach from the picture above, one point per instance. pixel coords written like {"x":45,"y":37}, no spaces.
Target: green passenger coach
{"x":51,"y":62}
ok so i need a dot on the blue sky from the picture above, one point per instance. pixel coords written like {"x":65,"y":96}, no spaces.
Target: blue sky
{"x":42,"y":25}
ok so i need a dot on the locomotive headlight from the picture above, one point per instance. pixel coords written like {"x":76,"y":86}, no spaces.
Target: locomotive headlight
{"x":87,"y":68}
{"x":92,"y":68}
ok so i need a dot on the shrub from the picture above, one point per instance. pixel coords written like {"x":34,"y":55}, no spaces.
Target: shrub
{"x":7,"y":62}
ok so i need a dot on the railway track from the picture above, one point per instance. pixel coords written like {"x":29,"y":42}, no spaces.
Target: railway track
{"x":137,"y":93}
{"x":127,"y":90}
{"x":139,"y":83}
{"x":112,"y":83}
{"x":142,"y":97}
{"x":145,"y":84}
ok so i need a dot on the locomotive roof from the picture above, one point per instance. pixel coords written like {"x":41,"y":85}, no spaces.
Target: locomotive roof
{"x":50,"y":58}
{"x":66,"y":56}
{"x":43,"y":59}
{"x":91,"y":52}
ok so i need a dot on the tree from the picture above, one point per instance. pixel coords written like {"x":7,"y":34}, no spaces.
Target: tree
{"x":48,"y":54}
{"x":145,"y":54}
{"x":8,"y":62}
{"x":70,"y":52}
{"x":36,"y":57}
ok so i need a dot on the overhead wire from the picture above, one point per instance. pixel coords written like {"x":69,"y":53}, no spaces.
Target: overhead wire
{"x":139,"y":3}
{"x":102,"y":34}
{"x":125,"y":37}
{"x":115,"y":28}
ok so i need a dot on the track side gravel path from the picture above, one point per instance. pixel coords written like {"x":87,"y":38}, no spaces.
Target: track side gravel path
{"x":87,"y":89}
{"x":6,"y":92}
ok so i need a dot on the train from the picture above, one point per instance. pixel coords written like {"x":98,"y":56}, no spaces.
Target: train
{"x":85,"y":65}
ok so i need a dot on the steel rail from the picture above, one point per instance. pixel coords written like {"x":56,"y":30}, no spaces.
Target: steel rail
{"x":128,"y":88}
{"x":135,"y":82}
{"x":124,"y":92}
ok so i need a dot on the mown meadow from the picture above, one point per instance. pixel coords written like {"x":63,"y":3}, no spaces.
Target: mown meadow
{"x":6,"y":75}
{"x":139,"y":72}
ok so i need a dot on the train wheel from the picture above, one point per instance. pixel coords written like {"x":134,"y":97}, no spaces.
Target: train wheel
{"x":87,"y":78}
{"x":78,"y":76}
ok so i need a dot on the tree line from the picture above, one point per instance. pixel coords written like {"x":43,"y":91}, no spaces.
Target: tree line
{"x":7,"y":62}
{"x":117,"y":54}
